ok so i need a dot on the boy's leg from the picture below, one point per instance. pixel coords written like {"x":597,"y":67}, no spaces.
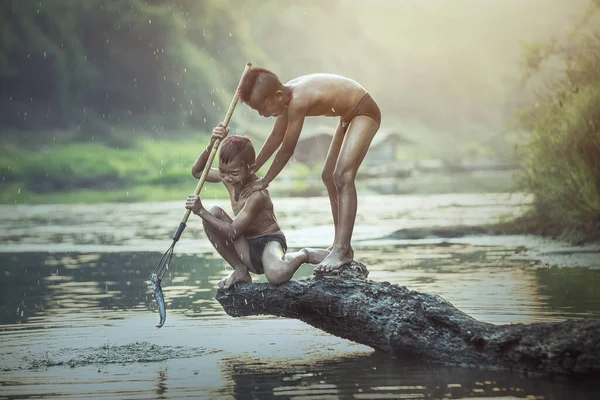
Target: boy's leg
{"x":280,"y":267}
{"x":327,"y":174}
{"x":356,"y":142}
{"x":236,"y":253}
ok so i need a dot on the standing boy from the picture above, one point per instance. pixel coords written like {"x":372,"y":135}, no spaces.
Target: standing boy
{"x":317,"y":95}
{"x":252,"y":241}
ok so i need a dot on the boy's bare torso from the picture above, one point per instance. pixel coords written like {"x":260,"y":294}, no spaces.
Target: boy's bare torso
{"x":325,"y":94}
{"x":264,"y":221}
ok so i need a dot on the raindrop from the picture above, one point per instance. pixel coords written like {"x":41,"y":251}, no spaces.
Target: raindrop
{"x":149,"y":21}
{"x":44,"y":54}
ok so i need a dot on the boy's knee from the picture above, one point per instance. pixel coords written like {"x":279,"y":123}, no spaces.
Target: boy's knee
{"x":216,"y":211}
{"x":327,"y":177}
{"x":275,"y":277}
{"x":343,"y":178}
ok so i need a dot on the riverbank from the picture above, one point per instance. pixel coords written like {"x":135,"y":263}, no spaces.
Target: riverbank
{"x":146,"y":170}
{"x":156,"y":169}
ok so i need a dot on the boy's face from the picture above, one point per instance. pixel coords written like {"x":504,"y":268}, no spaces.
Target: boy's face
{"x":267,"y":105}
{"x":235,"y":173}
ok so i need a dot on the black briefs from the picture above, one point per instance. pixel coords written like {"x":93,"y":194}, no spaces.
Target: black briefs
{"x":257,"y":246}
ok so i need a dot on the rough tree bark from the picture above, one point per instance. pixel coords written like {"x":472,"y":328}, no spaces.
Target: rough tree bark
{"x":420,"y":326}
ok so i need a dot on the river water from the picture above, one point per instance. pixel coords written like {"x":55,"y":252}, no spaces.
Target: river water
{"x":77,"y":320}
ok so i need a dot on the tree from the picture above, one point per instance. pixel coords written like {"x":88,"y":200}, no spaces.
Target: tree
{"x":561,"y":155}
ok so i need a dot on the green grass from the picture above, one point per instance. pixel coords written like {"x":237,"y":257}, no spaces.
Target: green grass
{"x":13,"y":194}
{"x":148,"y":170}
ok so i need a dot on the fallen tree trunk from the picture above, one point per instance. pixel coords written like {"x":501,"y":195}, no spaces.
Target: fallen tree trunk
{"x":419,"y":326}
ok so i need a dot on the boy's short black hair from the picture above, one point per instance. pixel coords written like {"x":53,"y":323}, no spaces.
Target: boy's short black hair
{"x":237,"y":145}
{"x":269,"y":79}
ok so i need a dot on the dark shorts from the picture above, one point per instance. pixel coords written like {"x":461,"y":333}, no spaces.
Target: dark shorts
{"x":365,"y":106}
{"x":257,"y":247}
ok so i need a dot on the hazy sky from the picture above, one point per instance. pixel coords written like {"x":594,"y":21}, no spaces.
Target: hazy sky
{"x":438,"y":68}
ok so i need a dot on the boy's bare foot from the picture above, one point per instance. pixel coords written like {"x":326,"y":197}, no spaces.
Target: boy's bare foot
{"x":239,"y":275}
{"x":315,"y":256}
{"x":335,"y":259}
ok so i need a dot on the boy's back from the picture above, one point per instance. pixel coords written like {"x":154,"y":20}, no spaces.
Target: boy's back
{"x":325,"y":94}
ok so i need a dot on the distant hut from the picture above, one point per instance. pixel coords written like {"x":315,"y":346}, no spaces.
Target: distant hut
{"x":384,"y":147}
{"x":313,"y":145}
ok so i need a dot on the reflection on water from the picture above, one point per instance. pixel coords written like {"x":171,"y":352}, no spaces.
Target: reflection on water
{"x":46,"y":289}
{"x":161,"y":386}
{"x":378,"y":377}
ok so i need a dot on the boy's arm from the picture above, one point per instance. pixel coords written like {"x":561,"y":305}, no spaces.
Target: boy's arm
{"x":213,"y":174}
{"x":241,"y":222}
{"x":295,"y":118}
{"x":200,"y":164}
{"x":294,"y":127}
{"x":273,"y":141}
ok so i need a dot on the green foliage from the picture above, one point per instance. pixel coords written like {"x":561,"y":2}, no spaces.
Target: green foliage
{"x":148,"y":170}
{"x":74,"y":167}
{"x":561,"y":157}
{"x":71,"y":63}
